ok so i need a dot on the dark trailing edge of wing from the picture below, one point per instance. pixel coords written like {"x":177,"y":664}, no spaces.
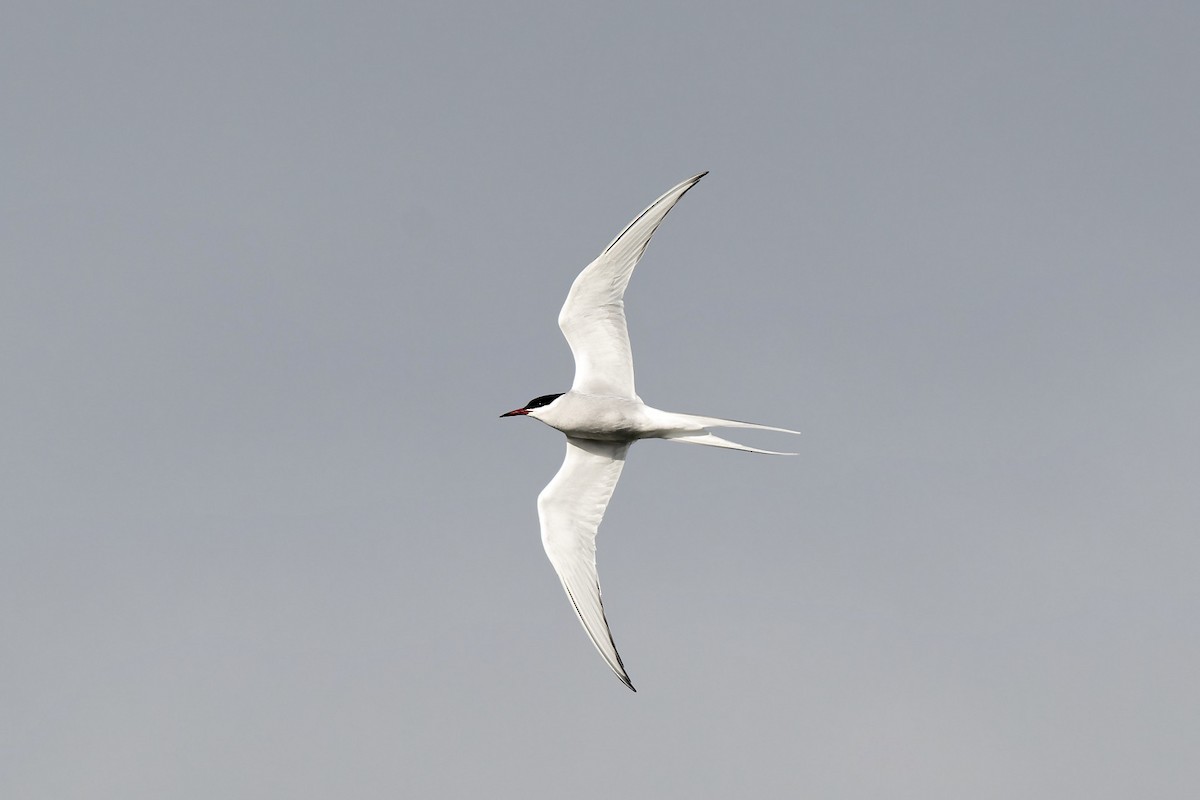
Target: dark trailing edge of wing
{"x":623,"y":675}
{"x":621,"y":235}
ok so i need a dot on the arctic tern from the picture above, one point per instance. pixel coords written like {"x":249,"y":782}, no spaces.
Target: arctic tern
{"x":602,"y":416}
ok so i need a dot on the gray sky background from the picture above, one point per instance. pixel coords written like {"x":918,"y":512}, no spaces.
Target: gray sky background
{"x":272,"y":270}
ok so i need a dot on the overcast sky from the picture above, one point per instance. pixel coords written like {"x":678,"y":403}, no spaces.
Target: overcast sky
{"x":269,"y":272}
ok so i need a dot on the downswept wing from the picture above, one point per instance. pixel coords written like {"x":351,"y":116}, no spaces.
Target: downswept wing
{"x":570,"y":509}
{"x":593,"y":317}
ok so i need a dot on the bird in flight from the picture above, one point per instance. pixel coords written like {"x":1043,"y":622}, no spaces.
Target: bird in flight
{"x":602,"y":416}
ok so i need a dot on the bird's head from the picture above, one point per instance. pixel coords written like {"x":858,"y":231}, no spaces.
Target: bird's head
{"x":534,"y":404}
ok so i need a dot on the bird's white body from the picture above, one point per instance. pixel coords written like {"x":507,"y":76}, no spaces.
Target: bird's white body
{"x":601,"y":416}
{"x":604,"y":418}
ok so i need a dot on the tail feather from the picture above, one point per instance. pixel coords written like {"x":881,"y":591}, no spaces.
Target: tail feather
{"x":690,"y":435}
{"x":716,"y":441}
{"x":717,"y":422}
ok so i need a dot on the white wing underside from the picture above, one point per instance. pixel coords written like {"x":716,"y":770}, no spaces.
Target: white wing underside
{"x":593,"y":317}
{"x":570,"y":509}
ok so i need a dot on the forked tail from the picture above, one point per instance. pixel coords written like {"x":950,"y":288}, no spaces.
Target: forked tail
{"x":691,"y":422}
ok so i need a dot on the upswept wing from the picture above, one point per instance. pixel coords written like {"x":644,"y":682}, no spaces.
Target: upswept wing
{"x":593,"y":317}
{"x":570,"y":509}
